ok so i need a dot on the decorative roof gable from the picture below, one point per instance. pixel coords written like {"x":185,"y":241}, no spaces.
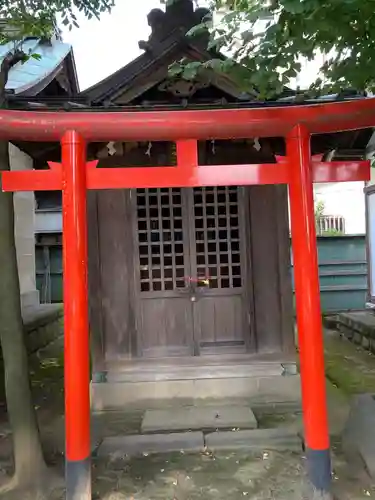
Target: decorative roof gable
{"x":168,"y":42}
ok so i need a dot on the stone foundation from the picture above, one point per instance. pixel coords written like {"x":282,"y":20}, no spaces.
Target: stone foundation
{"x":358,"y":436}
{"x":265,"y":383}
{"x":43,"y":324}
{"x":356,"y":326}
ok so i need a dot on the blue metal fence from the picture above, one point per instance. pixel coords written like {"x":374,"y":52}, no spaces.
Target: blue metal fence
{"x":342,"y":272}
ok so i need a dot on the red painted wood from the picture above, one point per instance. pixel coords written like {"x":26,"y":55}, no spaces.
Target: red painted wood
{"x":341,"y":171}
{"x":187,"y":155}
{"x":54,"y":165}
{"x":76,"y":324}
{"x":92,"y":164}
{"x":32,"y":180}
{"x":185,"y":124}
{"x":210,"y":175}
{"x":309,"y":319}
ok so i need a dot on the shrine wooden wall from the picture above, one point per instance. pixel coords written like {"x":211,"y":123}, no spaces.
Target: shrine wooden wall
{"x":113,"y":276}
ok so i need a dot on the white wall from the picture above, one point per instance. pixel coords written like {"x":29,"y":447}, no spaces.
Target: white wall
{"x":372,"y":179}
{"x":24,"y":211}
{"x":345,"y":199}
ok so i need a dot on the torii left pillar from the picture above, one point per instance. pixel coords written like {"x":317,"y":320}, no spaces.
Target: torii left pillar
{"x":76,"y":324}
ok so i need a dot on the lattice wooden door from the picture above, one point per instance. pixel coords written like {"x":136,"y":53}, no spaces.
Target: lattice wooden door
{"x":191,"y":271}
{"x":217,"y":259}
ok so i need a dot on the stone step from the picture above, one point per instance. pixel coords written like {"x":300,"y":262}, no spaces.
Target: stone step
{"x":257,"y":440}
{"x":358,"y":327}
{"x":360,"y":321}
{"x":358,"y":439}
{"x":222,"y":371}
{"x":151,"y":443}
{"x":198,"y":418}
{"x":270,"y":389}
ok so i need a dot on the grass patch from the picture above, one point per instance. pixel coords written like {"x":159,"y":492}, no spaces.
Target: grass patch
{"x":349,"y":367}
{"x":47,"y":381}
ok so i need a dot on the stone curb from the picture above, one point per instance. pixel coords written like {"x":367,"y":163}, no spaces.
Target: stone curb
{"x":151,"y":443}
{"x":256,"y":439}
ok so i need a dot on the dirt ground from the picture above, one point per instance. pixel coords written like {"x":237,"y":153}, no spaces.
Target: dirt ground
{"x":203,"y":476}
{"x":182,"y":476}
{"x":230,"y":475}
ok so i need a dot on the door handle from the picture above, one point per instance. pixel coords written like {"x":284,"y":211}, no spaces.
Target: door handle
{"x":203,"y":283}
{"x":188,"y":289}
{"x":194,"y":287}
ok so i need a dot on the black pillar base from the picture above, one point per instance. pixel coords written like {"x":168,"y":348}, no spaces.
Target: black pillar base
{"x":78,"y":479}
{"x":319,"y":469}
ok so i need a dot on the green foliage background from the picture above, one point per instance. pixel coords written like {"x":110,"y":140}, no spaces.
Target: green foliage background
{"x":342,"y":30}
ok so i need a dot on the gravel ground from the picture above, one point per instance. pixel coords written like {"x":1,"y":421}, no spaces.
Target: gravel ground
{"x":222,"y":476}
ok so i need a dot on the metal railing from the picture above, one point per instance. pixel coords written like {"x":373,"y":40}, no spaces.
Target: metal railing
{"x":330,"y":225}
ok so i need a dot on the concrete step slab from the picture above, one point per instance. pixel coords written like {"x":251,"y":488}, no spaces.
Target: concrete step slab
{"x":358,"y":321}
{"x":184,"y":372}
{"x":358,"y":438}
{"x":119,"y":395}
{"x":199,"y":417}
{"x":257,"y":439}
{"x":151,"y":443}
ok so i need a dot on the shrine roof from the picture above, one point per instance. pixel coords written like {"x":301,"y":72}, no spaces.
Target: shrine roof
{"x":83,"y":103}
{"x":34,"y":75}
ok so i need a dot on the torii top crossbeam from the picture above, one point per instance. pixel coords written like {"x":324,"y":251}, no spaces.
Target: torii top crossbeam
{"x":74,"y":176}
{"x":274,"y":121}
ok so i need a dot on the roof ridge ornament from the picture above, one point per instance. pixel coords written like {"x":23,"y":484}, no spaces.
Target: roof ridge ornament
{"x":182,"y":88}
{"x":179,"y":16}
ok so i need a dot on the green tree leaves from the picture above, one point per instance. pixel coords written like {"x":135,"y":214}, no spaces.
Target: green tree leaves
{"x":273,"y":36}
{"x":20,"y":18}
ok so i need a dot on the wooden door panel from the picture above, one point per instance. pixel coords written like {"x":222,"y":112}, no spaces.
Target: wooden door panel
{"x":216,"y":239}
{"x":165,"y":323}
{"x":163,"y":260}
{"x":167,"y":327}
{"x":116,"y":273}
{"x":218,"y":266}
{"x":191,"y":271}
{"x":218,"y":324}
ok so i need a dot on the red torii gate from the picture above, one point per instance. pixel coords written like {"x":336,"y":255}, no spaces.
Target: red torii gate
{"x":75,"y":175}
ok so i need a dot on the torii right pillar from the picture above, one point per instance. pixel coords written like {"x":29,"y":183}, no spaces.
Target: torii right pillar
{"x":309,"y":318}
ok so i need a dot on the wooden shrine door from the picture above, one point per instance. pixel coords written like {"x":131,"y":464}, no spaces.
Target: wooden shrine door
{"x":192,"y":277}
